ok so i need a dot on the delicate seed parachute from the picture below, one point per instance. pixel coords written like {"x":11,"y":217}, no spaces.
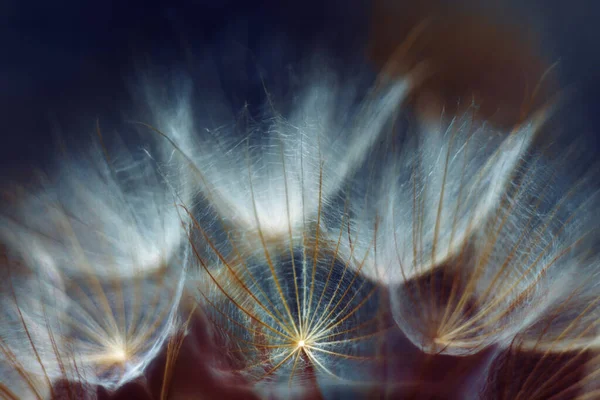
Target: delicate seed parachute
{"x":433,"y":199}
{"x":94,"y":272}
{"x":291,"y":306}
{"x":472,"y":232}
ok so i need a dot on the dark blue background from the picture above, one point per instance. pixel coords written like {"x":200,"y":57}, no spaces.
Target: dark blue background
{"x":66,"y":63}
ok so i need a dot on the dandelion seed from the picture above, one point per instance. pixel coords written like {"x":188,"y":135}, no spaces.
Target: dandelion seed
{"x":424,"y":205}
{"x":467,"y":224}
{"x":290,"y":306}
{"x":112,"y":237}
{"x":284,"y":324}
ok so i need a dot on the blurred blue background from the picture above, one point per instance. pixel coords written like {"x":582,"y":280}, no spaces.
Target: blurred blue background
{"x":66,"y":63}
